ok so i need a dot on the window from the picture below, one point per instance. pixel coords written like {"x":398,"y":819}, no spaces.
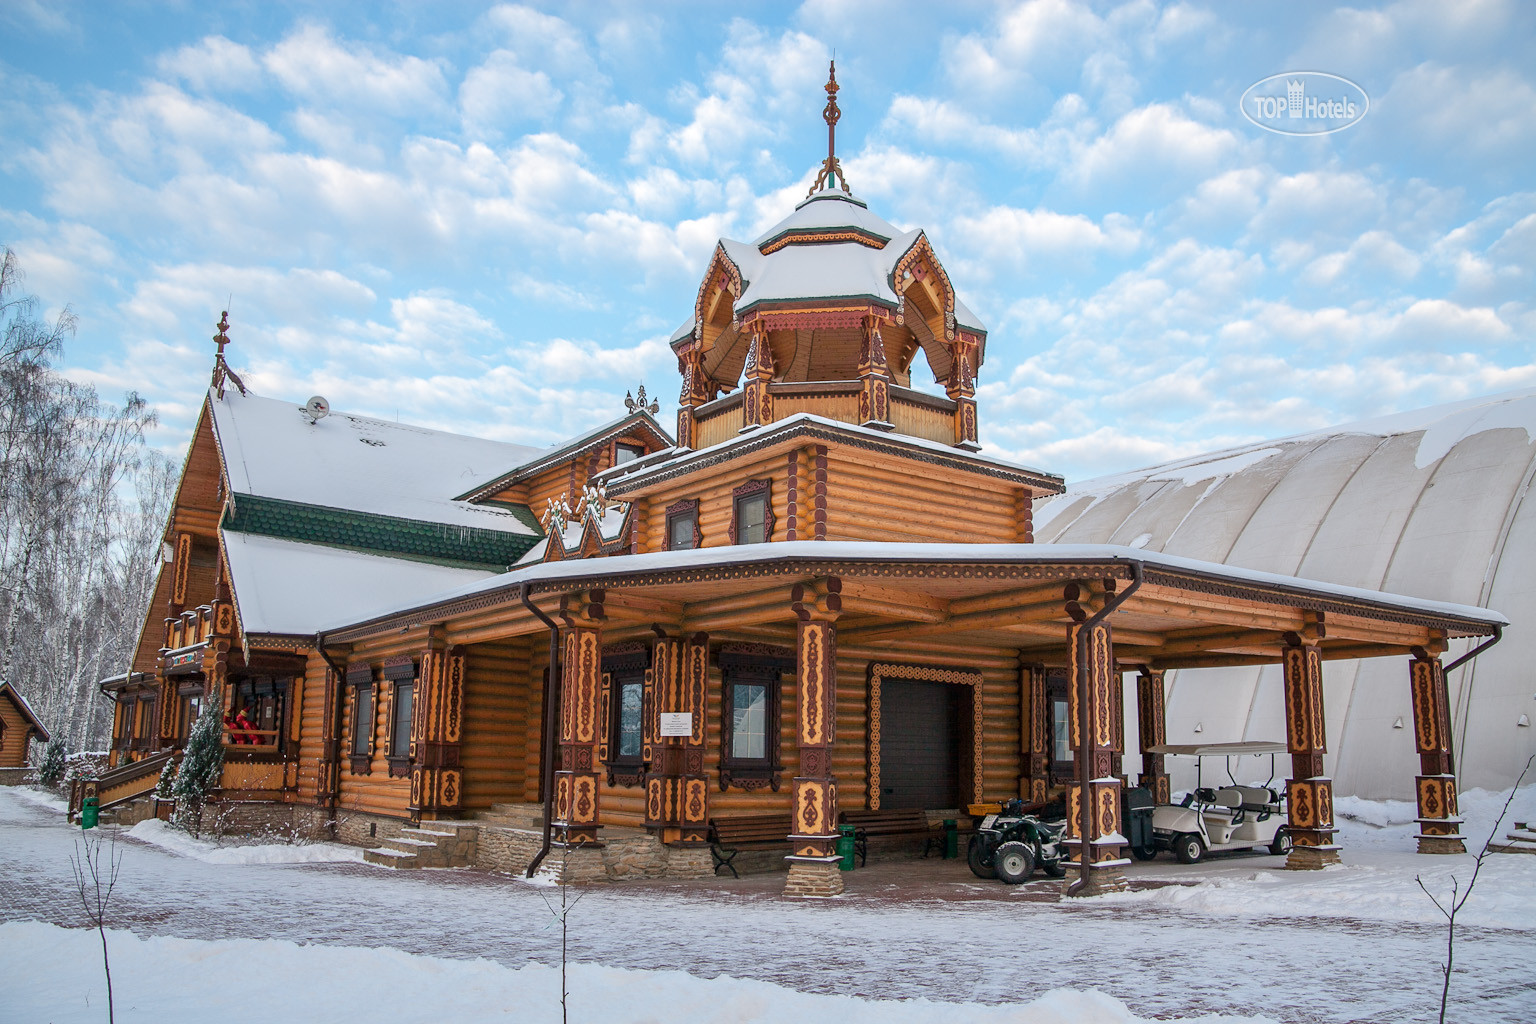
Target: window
{"x":402,"y":674}
{"x":749,"y":718}
{"x":624,"y":750}
{"x":751,"y":513}
{"x":362,"y":728}
{"x":624,"y":452}
{"x":683,"y":525}
{"x":1063,"y":765}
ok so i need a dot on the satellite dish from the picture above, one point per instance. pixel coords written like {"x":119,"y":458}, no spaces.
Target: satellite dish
{"x":317,"y":408}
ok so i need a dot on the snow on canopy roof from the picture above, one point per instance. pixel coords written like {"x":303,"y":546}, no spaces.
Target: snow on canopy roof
{"x":1221,"y":749}
{"x":1433,"y":503}
{"x":345,"y":461}
{"x":874,"y":553}
{"x":830,"y":208}
{"x":291,"y":588}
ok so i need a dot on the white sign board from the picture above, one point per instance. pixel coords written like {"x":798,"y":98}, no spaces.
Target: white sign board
{"x":676,"y":723}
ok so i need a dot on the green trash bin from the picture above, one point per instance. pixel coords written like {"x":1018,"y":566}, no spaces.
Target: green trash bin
{"x":951,"y":839}
{"x":845,"y":847}
{"x":90,"y":812}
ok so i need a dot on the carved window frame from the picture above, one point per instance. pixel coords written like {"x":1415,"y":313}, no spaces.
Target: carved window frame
{"x":753,"y":489}
{"x":688,"y":507}
{"x":1058,"y":690}
{"x":627,"y":446}
{"x":401,"y":675}
{"x":360,"y":682}
{"x":625,"y":666}
{"x":765,"y":668}
{"x":878,"y":672}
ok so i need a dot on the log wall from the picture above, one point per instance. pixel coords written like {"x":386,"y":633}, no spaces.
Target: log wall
{"x":499,"y":700}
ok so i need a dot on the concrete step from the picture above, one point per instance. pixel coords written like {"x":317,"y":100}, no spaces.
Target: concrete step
{"x":387,"y":858}
{"x":1521,"y":840}
{"x":519,"y":816}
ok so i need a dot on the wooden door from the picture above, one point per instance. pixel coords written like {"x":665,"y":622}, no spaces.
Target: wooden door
{"x":920,"y":744}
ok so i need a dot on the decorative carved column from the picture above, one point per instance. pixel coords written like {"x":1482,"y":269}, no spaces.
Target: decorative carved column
{"x":437,"y":726}
{"x":690,"y":365}
{"x":1439,"y":824}
{"x":1153,"y":729}
{"x":1034,"y":734}
{"x":677,"y":790}
{"x":756,"y":402}
{"x":874,"y":379}
{"x":327,"y":769}
{"x":1309,"y":793}
{"x":813,"y":866}
{"x":961,"y":388}
{"x":1092,"y":659}
{"x":576,"y":817}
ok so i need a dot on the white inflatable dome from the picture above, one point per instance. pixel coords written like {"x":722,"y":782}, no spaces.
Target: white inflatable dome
{"x":1430,"y":504}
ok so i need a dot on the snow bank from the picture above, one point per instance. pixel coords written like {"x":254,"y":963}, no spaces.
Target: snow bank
{"x":158,"y":833}
{"x":54,"y":974}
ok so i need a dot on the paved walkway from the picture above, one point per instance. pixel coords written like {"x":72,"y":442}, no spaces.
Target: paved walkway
{"x":903,"y":930}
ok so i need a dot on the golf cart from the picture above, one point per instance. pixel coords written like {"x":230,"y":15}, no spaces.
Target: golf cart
{"x":1229,"y":817}
{"x":1010,"y":843}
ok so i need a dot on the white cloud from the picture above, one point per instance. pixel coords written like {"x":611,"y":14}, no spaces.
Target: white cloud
{"x":214,"y":64}
{"x":1154,"y":145}
{"x":1013,"y":238}
{"x":501,"y":93}
{"x":313,"y":65}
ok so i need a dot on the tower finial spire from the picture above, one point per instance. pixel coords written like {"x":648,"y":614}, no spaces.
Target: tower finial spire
{"x":221,"y":370}
{"x":831,"y":170}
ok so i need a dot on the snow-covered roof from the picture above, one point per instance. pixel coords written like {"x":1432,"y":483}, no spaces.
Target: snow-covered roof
{"x":641,"y":421}
{"x":684,"y":457}
{"x":345,"y":461}
{"x":794,"y":269}
{"x":290,"y":588}
{"x":1430,"y":503}
{"x":7,"y":690}
{"x":617,"y":567}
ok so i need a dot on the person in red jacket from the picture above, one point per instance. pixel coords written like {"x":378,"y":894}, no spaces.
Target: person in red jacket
{"x":243,"y":724}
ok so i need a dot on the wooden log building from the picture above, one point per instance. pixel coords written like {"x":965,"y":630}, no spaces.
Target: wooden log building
{"x":818,"y":595}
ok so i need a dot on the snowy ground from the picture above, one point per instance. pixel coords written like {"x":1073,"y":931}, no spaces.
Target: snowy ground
{"x":1232,"y":940}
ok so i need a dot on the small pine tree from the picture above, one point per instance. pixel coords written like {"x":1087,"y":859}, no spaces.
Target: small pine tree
{"x":201,"y":765}
{"x":51,"y":772}
{"x":165,"y":788}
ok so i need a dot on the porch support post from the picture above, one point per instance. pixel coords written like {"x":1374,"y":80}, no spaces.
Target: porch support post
{"x":1034,"y":734}
{"x":961,"y":388}
{"x":1093,"y":725}
{"x":677,"y":791}
{"x":1309,"y":792}
{"x":1153,"y":722}
{"x":437,"y":725}
{"x":874,"y":379}
{"x":690,"y":366}
{"x":576,"y":818}
{"x":757,"y":403}
{"x":1439,"y":824}
{"x":813,"y":866}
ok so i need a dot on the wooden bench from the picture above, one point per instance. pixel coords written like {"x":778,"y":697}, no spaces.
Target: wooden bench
{"x":911,"y":823}
{"x":730,"y":836}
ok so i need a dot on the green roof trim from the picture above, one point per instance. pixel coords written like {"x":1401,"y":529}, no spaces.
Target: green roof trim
{"x":441,"y":543}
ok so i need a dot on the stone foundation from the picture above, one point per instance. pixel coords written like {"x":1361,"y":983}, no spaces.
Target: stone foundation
{"x":1100,"y":880}
{"x":507,"y":850}
{"x":813,"y":876}
{"x":353,"y":828}
{"x":1311,"y":858}
{"x":1442,"y":844}
{"x":15,"y":776}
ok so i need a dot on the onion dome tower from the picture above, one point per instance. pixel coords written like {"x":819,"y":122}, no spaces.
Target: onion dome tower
{"x":826,"y":313}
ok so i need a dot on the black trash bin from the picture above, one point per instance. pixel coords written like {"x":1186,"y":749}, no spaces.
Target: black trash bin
{"x":1136,"y":811}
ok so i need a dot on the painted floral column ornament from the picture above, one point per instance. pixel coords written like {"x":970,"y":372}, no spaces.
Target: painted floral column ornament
{"x":1435,"y":786}
{"x":1309,"y":792}
{"x":813,"y":865}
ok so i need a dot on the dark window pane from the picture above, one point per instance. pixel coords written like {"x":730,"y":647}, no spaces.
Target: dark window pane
{"x":400,"y":734}
{"x":628,"y":453}
{"x":630,"y":703}
{"x":682,"y":533}
{"x":749,"y":717}
{"x":751,"y":518}
{"x":1061,"y":742}
{"x":362,"y":718}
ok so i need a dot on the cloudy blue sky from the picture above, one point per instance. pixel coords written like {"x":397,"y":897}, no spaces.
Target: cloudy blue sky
{"x":489,"y":218}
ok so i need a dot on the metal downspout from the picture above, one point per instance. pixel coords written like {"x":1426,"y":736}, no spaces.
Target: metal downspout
{"x":1085,"y":810}
{"x":341,"y":689}
{"x":547,"y":760}
{"x":1498,"y":634}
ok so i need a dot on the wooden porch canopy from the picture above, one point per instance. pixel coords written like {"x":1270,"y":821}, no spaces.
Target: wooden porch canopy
{"x":1185,"y":614}
{"x":1097,"y":610}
